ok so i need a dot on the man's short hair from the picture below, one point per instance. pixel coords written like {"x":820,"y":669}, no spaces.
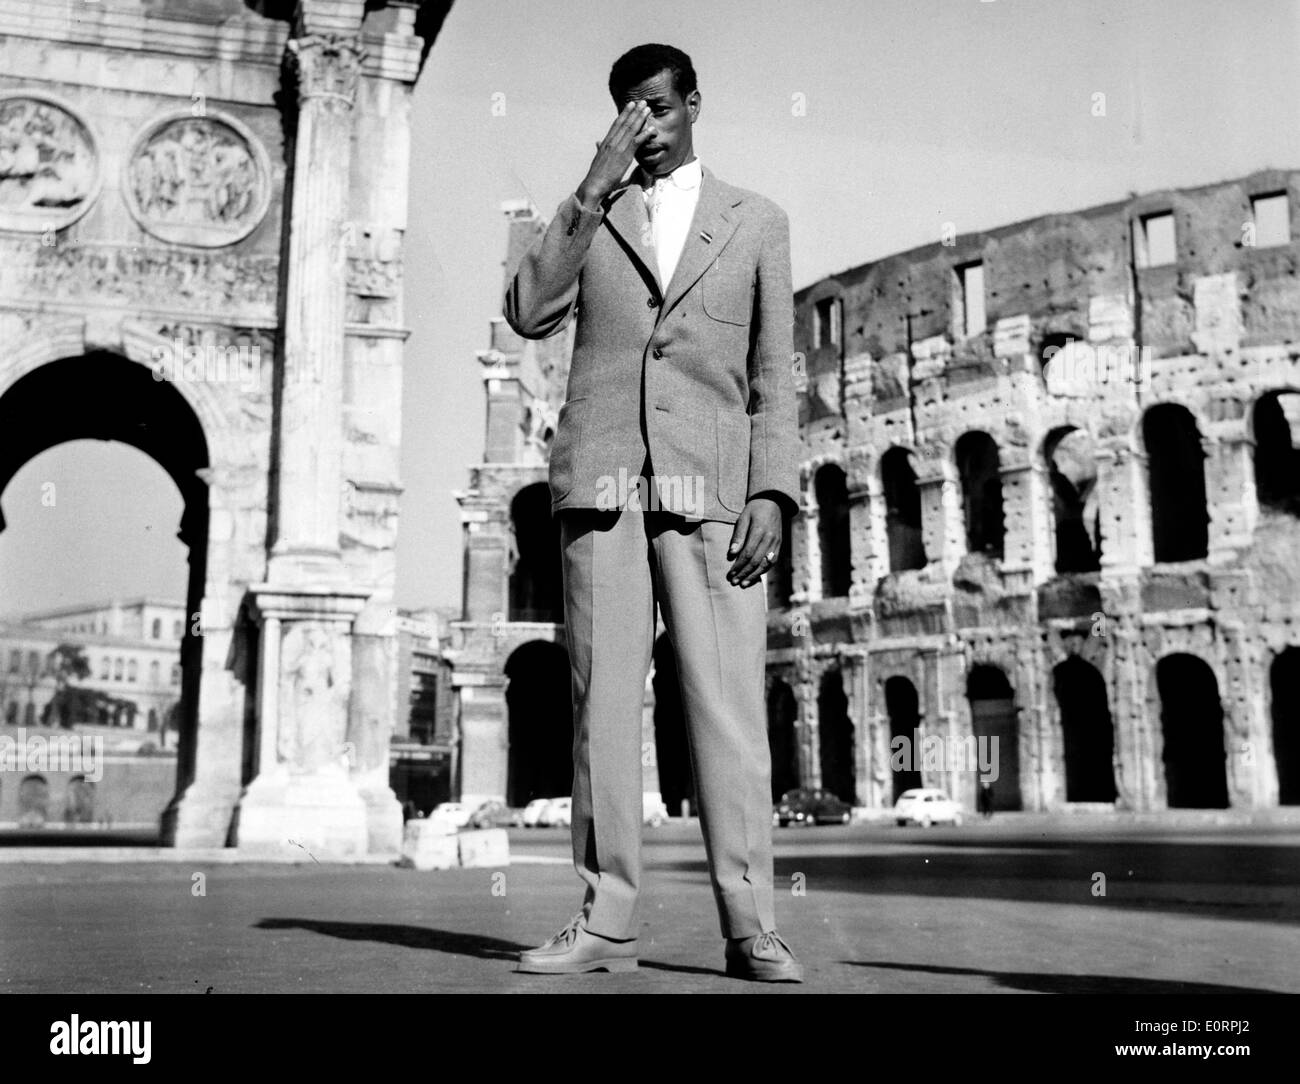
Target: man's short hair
{"x":646,"y":61}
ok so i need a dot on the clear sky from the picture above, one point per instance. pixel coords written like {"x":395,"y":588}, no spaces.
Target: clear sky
{"x":873,"y":122}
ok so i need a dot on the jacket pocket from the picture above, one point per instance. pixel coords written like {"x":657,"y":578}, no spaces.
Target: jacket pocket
{"x":566,"y":447}
{"x":733,"y":458}
{"x":727,"y":291}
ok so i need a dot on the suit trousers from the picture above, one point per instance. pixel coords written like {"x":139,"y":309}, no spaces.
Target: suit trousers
{"x":617,"y":565}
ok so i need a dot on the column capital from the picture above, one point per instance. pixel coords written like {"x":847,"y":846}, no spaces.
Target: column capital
{"x":326,"y":66}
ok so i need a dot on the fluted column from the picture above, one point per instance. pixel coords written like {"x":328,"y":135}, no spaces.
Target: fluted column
{"x":325,"y":69}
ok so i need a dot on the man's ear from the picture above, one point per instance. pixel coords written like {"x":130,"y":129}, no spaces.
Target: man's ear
{"x":693,"y":105}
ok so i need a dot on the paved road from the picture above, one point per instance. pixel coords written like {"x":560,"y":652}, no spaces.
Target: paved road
{"x":989,"y":907}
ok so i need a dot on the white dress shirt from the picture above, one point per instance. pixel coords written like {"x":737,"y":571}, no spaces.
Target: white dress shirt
{"x":670,"y":201}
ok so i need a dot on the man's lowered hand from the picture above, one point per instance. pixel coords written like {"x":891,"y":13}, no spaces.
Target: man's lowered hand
{"x":756,"y":541}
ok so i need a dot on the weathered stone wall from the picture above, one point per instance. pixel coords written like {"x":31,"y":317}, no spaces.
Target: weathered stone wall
{"x":1213,"y":331}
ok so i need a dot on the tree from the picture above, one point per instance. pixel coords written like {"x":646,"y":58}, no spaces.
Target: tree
{"x":68,"y":663}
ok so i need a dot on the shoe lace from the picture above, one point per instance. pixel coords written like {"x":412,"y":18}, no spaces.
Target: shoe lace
{"x":768,"y":942}
{"x":569,"y":934}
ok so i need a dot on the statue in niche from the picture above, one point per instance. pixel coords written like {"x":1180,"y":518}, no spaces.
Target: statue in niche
{"x":311,"y":726}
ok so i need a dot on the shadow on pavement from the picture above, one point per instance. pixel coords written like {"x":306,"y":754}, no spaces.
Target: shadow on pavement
{"x":418,"y":937}
{"x":1036,"y":982}
{"x":421,"y":937}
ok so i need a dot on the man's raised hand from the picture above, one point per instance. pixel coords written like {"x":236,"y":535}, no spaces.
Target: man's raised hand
{"x":614,"y":153}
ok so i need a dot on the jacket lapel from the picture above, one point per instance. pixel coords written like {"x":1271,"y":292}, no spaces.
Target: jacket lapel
{"x":630,"y":220}
{"x":711,"y":229}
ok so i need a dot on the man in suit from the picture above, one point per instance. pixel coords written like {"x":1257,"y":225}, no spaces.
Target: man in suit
{"x":673,"y":467}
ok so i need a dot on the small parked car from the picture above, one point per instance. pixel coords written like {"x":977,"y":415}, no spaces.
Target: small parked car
{"x":494,"y":813}
{"x":808,"y":806}
{"x":456,"y":812}
{"x":558,"y":813}
{"x":532,"y":814}
{"x":926,"y":806}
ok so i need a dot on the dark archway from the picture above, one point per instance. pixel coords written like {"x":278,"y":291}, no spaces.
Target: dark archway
{"x":1276,"y":420}
{"x":903,"y":707}
{"x":902,"y":511}
{"x":782,"y":712}
{"x":1087,"y":730}
{"x":1284,"y":678}
{"x":536,"y":587}
{"x":835,"y":738}
{"x":33,"y":801}
{"x":1072,"y":471}
{"x":832,"y":492}
{"x":538,"y":700}
{"x":1176,"y":470}
{"x":993,"y":716}
{"x":101,"y":396}
{"x":980,"y":471}
{"x":1191,"y":721}
{"x":672,"y":749}
{"x":80,"y":803}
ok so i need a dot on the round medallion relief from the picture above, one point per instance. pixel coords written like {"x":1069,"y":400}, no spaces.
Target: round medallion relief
{"x":198,"y":180}
{"x":49,"y":167}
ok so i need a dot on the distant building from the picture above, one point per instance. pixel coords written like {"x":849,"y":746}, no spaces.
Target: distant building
{"x":133,"y":648}
{"x":422,"y":755}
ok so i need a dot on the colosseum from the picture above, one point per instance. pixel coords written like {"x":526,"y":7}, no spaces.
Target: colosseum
{"x":1051,"y":489}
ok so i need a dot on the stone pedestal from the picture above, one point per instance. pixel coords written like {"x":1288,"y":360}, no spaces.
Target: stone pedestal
{"x":303,"y":795}
{"x":297,"y":815}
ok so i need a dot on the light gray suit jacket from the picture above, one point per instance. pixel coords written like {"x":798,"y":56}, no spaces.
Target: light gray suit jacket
{"x":714,"y":351}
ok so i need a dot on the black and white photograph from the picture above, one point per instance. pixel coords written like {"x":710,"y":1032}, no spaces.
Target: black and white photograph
{"x":514,"y":498}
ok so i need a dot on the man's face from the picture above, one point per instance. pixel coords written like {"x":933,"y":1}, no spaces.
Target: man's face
{"x":671,"y":118}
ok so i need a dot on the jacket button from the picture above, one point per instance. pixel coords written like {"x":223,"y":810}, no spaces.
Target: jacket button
{"x":651,"y":302}
{"x":658,"y":353}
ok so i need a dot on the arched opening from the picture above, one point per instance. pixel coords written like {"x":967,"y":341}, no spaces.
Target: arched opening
{"x":81,"y":801}
{"x":902,"y":511}
{"x":997,"y":732}
{"x":672,"y":750}
{"x":1176,"y":469}
{"x":980,"y":471}
{"x":1276,"y":427}
{"x":1087,"y":730}
{"x":536,"y":588}
{"x":540,"y":710}
{"x":1048,"y":349}
{"x":832,"y":493}
{"x":782,"y":711}
{"x":56,"y":410}
{"x":835,"y":737}
{"x":904,"y":710}
{"x":1191,"y":722}
{"x":33,"y":801}
{"x":1284,"y":678}
{"x":1072,"y":471}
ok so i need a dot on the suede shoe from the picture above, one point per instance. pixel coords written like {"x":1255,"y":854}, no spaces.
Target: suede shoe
{"x":574,"y":950}
{"x":762,"y":958}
